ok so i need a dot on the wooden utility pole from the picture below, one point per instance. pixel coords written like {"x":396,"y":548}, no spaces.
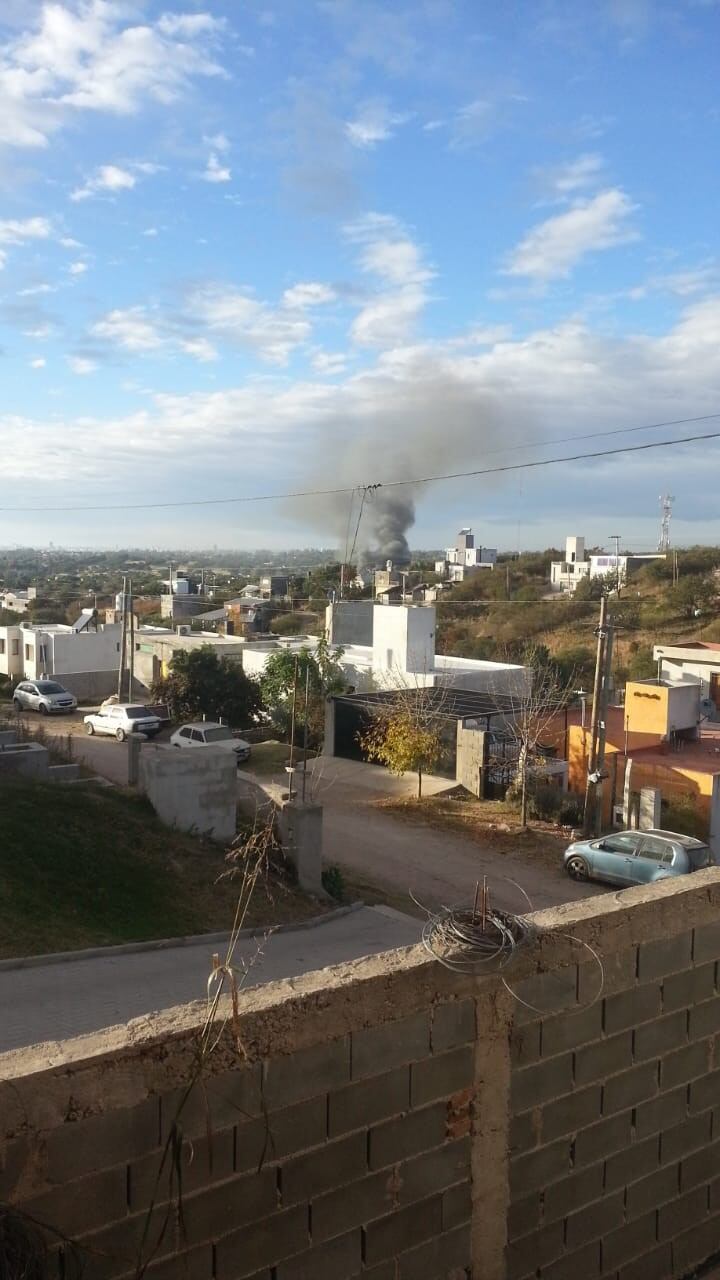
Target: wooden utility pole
{"x":291,"y":766}
{"x":590,"y":785}
{"x":602,"y":729}
{"x":131,"y":664}
{"x":123,"y":641}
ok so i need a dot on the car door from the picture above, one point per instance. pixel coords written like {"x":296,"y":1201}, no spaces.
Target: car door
{"x":197,"y":738}
{"x":21,"y":694}
{"x":614,"y":857}
{"x":32,"y":697}
{"x":101,"y":722}
{"x":651,"y":859}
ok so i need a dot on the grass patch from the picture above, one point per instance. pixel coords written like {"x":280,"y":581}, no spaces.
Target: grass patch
{"x":82,"y":867}
{"x":269,"y":758}
{"x":491,"y":823}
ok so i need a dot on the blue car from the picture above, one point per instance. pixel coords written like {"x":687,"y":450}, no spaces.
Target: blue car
{"x":636,"y":857}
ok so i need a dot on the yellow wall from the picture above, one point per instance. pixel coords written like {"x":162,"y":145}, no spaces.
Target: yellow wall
{"x":646,"y":708}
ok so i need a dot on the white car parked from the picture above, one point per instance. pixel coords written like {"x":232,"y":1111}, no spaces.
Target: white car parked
{"x":46,"y":696}
{"x":208,"y":734}
{"x":122,"y":719}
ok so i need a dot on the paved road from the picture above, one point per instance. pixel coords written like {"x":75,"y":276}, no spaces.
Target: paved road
{"x":61,"y":1000}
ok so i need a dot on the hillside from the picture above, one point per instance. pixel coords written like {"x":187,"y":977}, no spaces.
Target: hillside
{"x":82,"y":867}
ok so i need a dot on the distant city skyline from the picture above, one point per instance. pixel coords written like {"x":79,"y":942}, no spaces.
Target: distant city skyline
{"x":252,"y":249}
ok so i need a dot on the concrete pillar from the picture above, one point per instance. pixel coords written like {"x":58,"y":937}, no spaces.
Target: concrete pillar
{"x":301,"y":828}
{"x":471,"y":758}
{"x":133,"y":757}
{"x":650,"y":811}
{"x":329,"y":734}
{"x":714,"y":838}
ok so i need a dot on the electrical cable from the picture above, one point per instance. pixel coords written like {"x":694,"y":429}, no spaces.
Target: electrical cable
{"x":385,"y":484}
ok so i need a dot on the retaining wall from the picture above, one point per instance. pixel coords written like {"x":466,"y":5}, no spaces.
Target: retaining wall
{"x":392,"y":1120}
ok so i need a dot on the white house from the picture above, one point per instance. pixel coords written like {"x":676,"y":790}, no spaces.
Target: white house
{"x":83,"y":659}
{"x":565,"y":574}
{"x":19,"y":600}
{"x":465,"y":558}
{"x":696,"y":662}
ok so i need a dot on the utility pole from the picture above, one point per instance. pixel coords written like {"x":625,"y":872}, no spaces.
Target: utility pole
{"x":123,"y":638}
{"x":602,"y":728}
{"x":291,"y":767}
{"x":591,"y":784}
{"x":131,"y":665}
{"x":305,"y":731}
{"x":615,"y":537}
{"x":507,"y":580}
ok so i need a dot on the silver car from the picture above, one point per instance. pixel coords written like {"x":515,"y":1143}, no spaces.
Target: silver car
{"x":636,"y":857}
{"x":45,"y":696}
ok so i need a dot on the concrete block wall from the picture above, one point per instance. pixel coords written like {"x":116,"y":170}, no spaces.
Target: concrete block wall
{"x":393,"y":1120}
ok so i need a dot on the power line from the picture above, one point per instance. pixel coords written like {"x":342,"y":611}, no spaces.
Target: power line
{"x":384,"y":484}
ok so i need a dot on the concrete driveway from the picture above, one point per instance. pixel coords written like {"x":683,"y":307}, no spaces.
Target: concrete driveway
{"x":56,"y":999}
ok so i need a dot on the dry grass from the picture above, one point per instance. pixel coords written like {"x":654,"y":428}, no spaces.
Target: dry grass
{"x":490,"y":823}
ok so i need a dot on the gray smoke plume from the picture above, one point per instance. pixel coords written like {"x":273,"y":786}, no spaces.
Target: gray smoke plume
{"x":388,"y":518}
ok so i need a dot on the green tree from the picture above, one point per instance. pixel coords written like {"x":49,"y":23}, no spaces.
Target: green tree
{"x":404,"y":734}
{"x":319,"y":669}
{"x":201,"y":683}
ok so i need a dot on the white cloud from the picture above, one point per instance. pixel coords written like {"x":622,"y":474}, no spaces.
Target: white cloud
{"x":18,"y":231}
{"x":581,"y":172}
{"x":35,"y":289}
{"x":214,"y":171}
{"x":554,"y":247}
{"x":81,"y":365}
{"x":150,"y":231}
{"x":129,"y":329}
{"x":77,"y":268}
{"x":109,"y":177}
{"x":308,"y":294}
{"x":38,"y":363}
{"x":200,"y":349}
{"x":240,"y":319}
{"x":217,"y":142}
{"x":67,"y":242}
{"x":329,"y":363}
{"x":388,"y":252}
{"x":92,"y":57}
{"x":374,"y":123}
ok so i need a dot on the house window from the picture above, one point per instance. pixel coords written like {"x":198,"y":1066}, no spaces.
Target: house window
{"x":28,"y":652}
{"x":15,"y":648}
{"x":2,"y":646}
{"x":388,"y":658}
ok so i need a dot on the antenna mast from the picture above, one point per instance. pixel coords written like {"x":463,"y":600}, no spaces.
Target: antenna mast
{"x":666,"y":501}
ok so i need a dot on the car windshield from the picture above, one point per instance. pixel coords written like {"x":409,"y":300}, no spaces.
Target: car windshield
{"x":47,"y":686}
{"x":221,"y":734}
{"x":136,"y":713}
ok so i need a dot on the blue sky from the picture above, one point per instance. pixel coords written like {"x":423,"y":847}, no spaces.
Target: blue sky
{"x":255,"y":247}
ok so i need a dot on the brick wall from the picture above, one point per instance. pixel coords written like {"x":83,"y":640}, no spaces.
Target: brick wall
{"x":393,"y":1121}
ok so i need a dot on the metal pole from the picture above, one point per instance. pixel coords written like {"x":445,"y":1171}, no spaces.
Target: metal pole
{"x":597,"y":685}
{"x":305,"y":731}
{"x":123,"y":637}
{"x":131,"y":664}
{"x":615,"y":537}
{"x":291,"y":766}
{"x":602,"y":734}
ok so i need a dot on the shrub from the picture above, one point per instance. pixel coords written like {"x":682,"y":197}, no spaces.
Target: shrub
{"x":571,"y":811}
{"x":544,"y":802}
{"x":333,"y":882}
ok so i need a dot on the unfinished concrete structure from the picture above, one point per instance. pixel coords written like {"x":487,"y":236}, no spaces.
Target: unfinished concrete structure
{"x":391,"y":1118}
{"x":191,"y":790}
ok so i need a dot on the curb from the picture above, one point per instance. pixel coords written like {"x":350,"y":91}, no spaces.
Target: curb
{"x":164,"y":944}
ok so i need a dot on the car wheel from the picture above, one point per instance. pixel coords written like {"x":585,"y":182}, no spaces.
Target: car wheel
{"x":120,"y":735}
{"x":89,"y":729}
{"x":17,"y":704}
{"x":43,"y":709}
{"x":577,"y":868}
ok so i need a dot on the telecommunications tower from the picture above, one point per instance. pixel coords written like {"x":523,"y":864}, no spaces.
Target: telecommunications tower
{"x":666,"y":501}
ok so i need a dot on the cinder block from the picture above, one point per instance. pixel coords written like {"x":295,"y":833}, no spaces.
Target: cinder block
{"x":217,"y":1102}
{"x":524,"y":1216}
{"x":657,"y":1189}
{"x":633,"y":1086}
{"x":684,"y":1064}
{"x":207,"y":1214}
{"x":376,"y":1049}
{"x":685,"y":1211}
{"x":666,"y":955}
{"x":447,"y":1255}
{"x":190,"y":1264}
{"x":526,"y":1256}
{"x":340,"y":1210}
{"x":201,"y":1162}
{"x":399,"y":1231}
{"x":604,"y":1058}
{"x":705,"y":1019}
{"x":657,"y":1038}
{"x":15,"y":1157}
{"x":295,"y":1128}
{"x":630,"y":1008}
{"x":654,"y":1265}
{"x":685,"y":1137}
{"x":639,"y":1160}
{"x":524,"y":1131}
{"x":532,"y":1086}
{"x":453,"y":1024}
{"x":595,"y":1221}
{"x":334,"y":1165}
{"x":398,"y":1139}
{"x":434,"y":1171}
{"x":696,"y":1245}
{"x":367,"y":1101}
{"x":456,"y":1205}
{"x":114,"y":1250}
{"x":619,"y":972}
{"x":583,"y":1263}
{"x":546,"y":993}
{"x":307,"y":1073}
{"x":570,"y":1194}
{"x":441,"y":1075}
{"x":571,"y":1113}
{"x":661,"y":1113}
{"x":704,"y":1092}
{"x":79,"y":1147}
{"x":525,"y":1044}
{"x":599,"y":1140}
{"x":85,"y":1205}
{"x":628,"y":1242}
{"x":707,"y":943}
{"x":530,"y":1172}
{"x":261,"y":1244}
{"x":339,"y":1257}
{"x":568,"y":1030}
{"x":681,"y":990}
{"x":701,"y":1166}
